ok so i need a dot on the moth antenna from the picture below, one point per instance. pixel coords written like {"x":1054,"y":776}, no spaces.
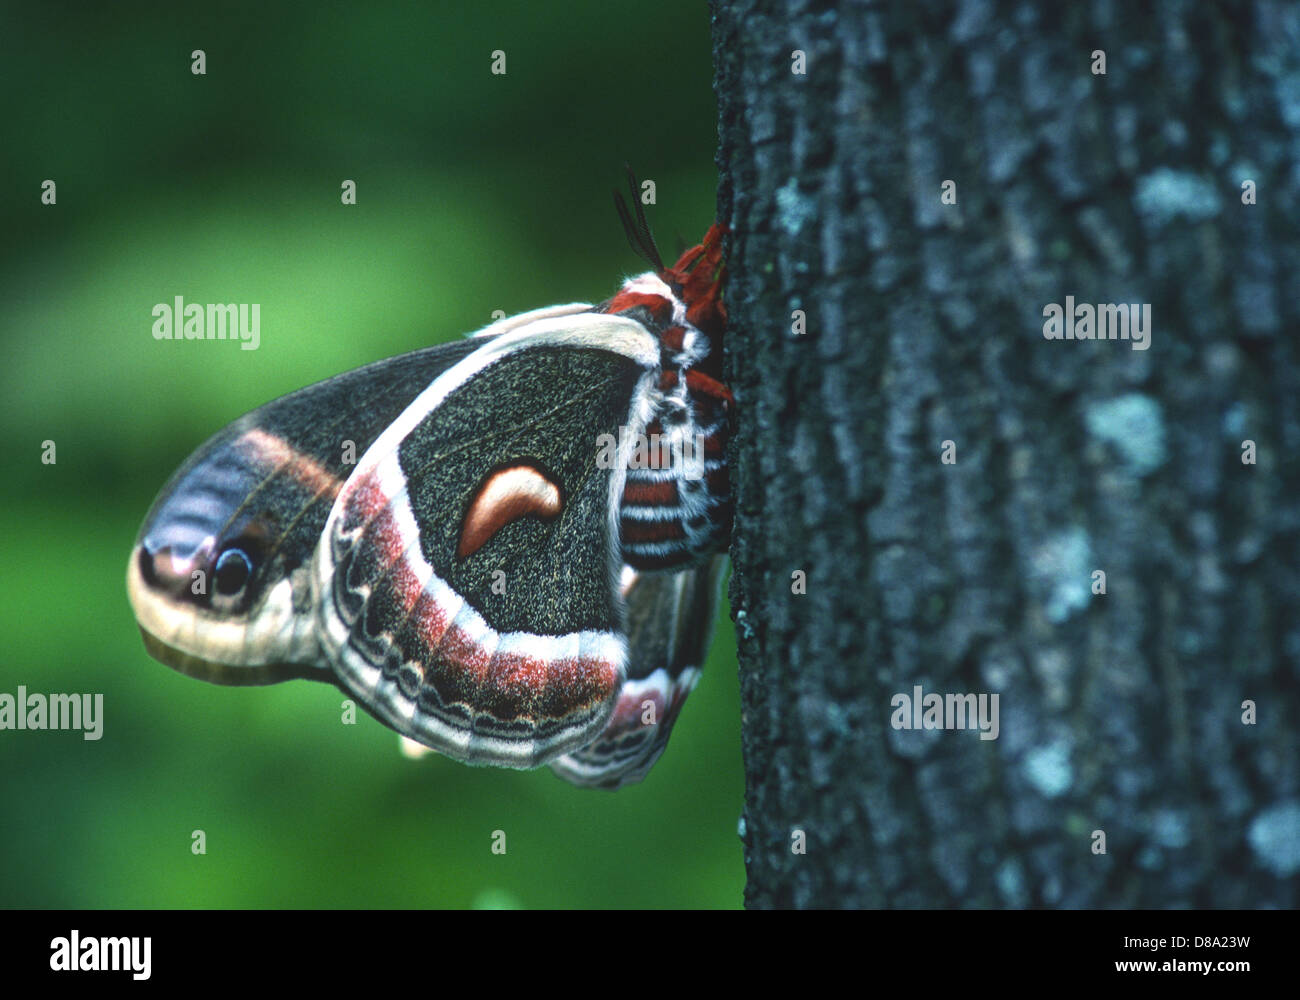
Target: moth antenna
{"x":636,"y":227}
{"x":629,"y":227}
{"x":647,"y":236}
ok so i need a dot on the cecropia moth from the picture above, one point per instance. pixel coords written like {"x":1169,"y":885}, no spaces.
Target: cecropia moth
{"x":507,"y":548}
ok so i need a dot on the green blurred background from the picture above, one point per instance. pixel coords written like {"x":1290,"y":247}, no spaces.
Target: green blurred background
{"x":475,"y":192}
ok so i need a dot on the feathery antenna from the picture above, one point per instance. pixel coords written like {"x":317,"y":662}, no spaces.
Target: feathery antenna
{"x":635,"y":226}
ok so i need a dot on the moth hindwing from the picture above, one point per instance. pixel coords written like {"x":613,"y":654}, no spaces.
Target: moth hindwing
{"x":505,"y":548}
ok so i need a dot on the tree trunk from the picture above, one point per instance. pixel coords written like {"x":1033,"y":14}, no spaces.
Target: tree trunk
{"x":950,"y":480}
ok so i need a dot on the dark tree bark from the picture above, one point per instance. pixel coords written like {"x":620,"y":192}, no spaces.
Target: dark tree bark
{"x":1120,"y":712}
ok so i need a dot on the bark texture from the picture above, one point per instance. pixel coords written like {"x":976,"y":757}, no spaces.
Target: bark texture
{"x":1119,"y":712}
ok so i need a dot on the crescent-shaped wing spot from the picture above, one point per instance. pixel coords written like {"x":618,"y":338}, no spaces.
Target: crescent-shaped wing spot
{"x":506,"y":496}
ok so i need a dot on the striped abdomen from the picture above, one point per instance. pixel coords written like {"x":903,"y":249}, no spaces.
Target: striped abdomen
{"x":677,"y":500}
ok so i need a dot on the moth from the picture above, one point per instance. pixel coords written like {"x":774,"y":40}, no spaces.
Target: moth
{"x":507,"y":548}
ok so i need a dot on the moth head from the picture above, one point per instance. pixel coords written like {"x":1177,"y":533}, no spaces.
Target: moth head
{"x":697,"y":279}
